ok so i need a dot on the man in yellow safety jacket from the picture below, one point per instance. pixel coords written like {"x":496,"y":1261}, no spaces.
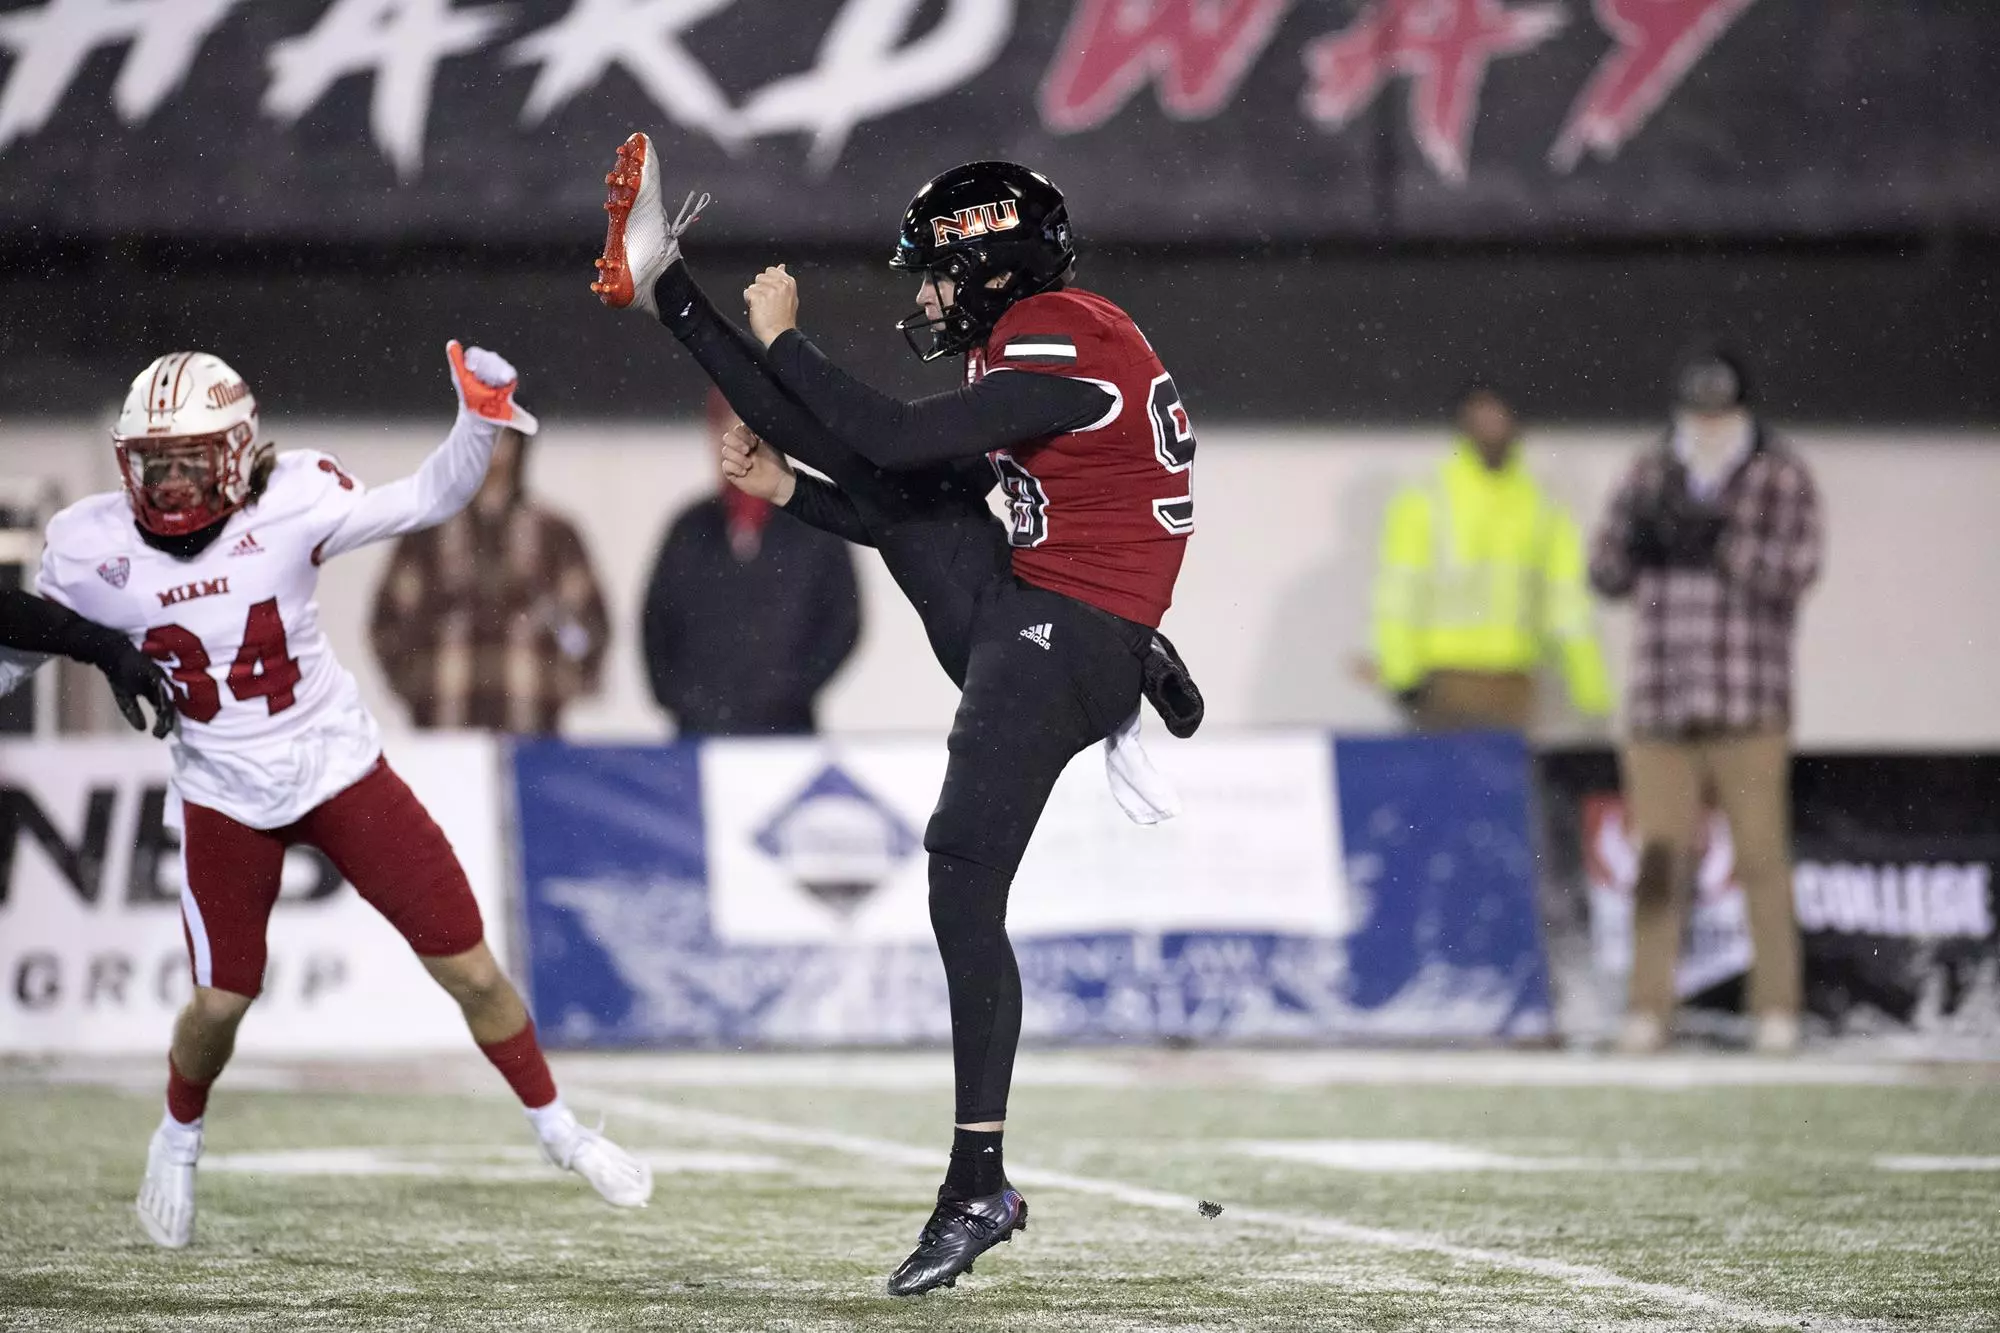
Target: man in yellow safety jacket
{"x":1482,"y":572}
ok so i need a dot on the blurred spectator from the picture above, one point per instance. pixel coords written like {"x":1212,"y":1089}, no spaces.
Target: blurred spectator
{"x":1481,"y":572}
{"x":748,"y":614}
{"x":493,"y":619}
{"x":1715,"y":534}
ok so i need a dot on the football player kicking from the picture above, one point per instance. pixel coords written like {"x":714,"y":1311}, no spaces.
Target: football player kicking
{"x":1052,"y":647}
{"x":208,"y":561}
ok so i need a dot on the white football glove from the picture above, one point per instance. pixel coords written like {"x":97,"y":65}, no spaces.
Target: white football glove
{"x":485,"y":384}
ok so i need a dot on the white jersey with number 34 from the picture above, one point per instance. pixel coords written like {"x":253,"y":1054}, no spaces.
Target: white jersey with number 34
{"x":272,"y":724}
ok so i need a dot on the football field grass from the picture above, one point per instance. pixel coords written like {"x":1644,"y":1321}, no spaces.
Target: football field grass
{"x":1357,"y":1191}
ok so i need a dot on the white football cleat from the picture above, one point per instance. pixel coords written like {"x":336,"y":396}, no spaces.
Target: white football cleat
{"x":1777,"y":1033}
{"x":166,"y":1196}
{"x":639,"y":242}
{"x":622,"y":1179}
{"x":1641,"y":1034}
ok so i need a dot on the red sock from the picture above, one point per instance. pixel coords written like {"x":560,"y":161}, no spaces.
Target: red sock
{"x":186,"y":1099}
{"x":519,"y":1060}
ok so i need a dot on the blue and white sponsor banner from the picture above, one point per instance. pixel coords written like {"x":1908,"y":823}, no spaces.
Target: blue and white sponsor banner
{"x":776,"y":892}
{"x":93,"y":958}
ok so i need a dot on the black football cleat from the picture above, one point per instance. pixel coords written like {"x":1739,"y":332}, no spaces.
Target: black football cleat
{"x":960,"y":1230}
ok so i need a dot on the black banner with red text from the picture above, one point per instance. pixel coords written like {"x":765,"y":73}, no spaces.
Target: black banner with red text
{"x":1225,"y":121}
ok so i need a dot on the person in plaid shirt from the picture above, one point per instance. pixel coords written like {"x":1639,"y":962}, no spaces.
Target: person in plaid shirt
{"x":1715,"y":534}
{"x":493,"y":620}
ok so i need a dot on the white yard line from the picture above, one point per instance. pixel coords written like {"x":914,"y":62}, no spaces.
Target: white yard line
{"x":1138,"y":1196}
{"x":1408,"y":1156}
{"x":1937,"y":1164}
{"x":903,"y":1071}
{"x":1284,"y":1069}
{"x":458,"y":1162}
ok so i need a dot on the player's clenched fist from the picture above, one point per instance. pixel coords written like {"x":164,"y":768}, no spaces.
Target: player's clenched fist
{"x":773,"y":302}
{"x":754,"y":467}
{"x":485,"y":383}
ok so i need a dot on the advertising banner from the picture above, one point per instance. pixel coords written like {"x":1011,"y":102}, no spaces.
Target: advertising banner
{"x":1209,"y":120}
{"x":92,"y":955}
{"x":1892,"y":882}
{"x":776,"y":892}
{"x":1716,"y":946}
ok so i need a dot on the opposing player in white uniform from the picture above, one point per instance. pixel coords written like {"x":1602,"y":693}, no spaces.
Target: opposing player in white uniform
{"x":208,"y":561}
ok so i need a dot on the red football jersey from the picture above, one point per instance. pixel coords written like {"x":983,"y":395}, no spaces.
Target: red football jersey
{"x":1103,"y":513}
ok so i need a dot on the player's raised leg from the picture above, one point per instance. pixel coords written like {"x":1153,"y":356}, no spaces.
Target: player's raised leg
{"x":931,"y":525}
{"x":642,"y":267}
{"x":232,"y":874}
{"x":383,"y":840}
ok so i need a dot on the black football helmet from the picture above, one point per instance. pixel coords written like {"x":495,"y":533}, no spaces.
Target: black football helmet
{"x":973,"y":224}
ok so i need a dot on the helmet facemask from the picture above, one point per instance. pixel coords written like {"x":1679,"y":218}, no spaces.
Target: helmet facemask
{"x":181,"y":484}
{"x":977,"y":303}
{"x":958,"y":325}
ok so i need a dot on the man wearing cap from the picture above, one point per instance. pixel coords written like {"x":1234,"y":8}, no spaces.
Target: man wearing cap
{"x":1715,"y":535}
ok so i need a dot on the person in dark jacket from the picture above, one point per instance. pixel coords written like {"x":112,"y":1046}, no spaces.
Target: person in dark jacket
{"x":748,"y":614}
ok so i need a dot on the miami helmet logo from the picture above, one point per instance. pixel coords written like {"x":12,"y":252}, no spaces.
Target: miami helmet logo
{"x":976,"y":221}
{"x":222,"y":394}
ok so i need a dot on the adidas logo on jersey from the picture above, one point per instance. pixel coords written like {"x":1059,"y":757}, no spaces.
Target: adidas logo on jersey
{"x":247,"y":545}
{"x":1038,"y":635}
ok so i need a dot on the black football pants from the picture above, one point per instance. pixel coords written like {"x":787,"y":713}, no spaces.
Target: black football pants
{"x":1046,"y":678}
{"x":1042,"y":678}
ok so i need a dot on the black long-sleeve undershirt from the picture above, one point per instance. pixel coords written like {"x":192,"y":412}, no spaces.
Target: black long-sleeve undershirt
{"x":865,"y":499}
{"x":36,"y":625}
{"x":821,"y":504}
{"x":999,"y":411}
{"x":736,"y":363}
{"x":937,"y":538}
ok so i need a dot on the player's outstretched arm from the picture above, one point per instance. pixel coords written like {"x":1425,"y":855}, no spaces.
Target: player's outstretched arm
{"x":999,"y":411}
{"x":448,"y":479}
{"x":33,"y":629}
{"x":755,"y":468}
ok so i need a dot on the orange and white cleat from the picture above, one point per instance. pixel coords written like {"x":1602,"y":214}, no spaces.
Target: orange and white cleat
{"x":639,"y":241}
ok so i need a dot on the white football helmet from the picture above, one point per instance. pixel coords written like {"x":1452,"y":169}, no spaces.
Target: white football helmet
{"x":187,"y":443}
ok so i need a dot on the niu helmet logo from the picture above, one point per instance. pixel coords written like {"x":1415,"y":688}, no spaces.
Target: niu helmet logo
{"x":976,"y":221}
{"x":222,"y":395}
